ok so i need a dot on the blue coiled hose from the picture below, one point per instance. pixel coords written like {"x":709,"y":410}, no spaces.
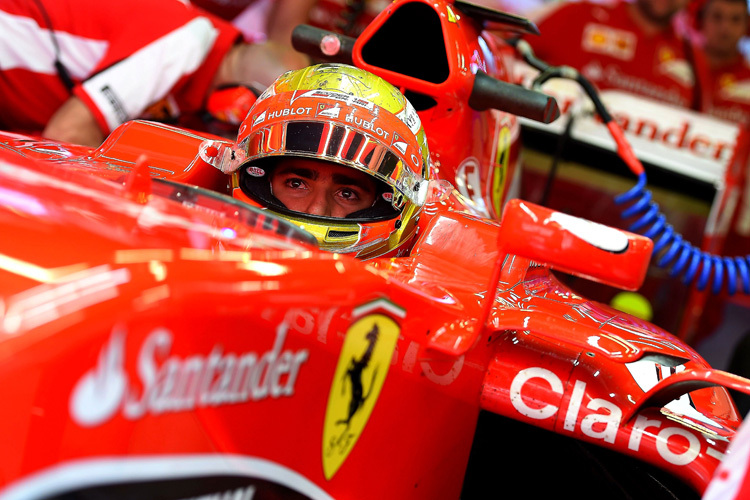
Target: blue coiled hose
{"x":680,"y":256}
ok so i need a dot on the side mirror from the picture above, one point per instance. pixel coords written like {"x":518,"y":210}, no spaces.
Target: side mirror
{"x":575,"y":246}
{"x":488,"y":92}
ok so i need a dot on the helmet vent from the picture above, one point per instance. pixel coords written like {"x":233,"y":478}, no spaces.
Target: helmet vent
{"x":341,"y":234}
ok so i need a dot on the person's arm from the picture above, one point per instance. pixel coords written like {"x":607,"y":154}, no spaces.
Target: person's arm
{"x":75,"y":123}
{"x":284,"y":16}
{"x":258,"y":64}
{"x":174,"y":53}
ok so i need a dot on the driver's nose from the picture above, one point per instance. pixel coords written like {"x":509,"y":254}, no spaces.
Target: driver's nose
{"x":319,"y":204}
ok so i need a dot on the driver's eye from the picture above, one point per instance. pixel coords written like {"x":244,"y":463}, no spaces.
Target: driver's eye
{"x":295,"y":183}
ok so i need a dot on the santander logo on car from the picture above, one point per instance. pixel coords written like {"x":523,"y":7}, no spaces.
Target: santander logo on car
{"x":99,"y":392}
{"x":168,"y":382}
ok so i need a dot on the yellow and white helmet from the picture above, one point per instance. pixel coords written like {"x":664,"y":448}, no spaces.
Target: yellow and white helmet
{"x":347,"y":116}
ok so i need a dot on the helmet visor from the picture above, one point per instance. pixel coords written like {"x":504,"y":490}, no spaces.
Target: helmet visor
{"x":343,"y":145}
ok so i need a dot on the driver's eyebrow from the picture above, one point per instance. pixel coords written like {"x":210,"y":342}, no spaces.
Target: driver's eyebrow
{"x":346,"y":180}
{"x":305,"y":173}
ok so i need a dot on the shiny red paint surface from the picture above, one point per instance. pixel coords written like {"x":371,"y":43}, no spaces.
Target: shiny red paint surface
{"x":188,"y":284}
{"x":610,"y":256}
{"x":148,"y":329}
{"x":170,"y":153}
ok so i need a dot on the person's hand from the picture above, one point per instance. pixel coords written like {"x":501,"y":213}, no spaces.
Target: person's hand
{"x":75,"y":123}
{"x":258,"y":65}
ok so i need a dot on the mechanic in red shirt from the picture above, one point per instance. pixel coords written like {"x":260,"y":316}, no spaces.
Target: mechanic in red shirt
{"x":73,"y":70}
{"x":722,"y":25}
{"x":622,"y":45}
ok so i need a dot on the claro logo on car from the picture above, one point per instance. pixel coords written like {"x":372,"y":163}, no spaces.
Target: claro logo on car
{"x":676,"y":445}
{"x":170,"y":383}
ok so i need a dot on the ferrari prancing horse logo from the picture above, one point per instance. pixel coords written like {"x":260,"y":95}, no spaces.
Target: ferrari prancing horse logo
{"x":360,"y":374}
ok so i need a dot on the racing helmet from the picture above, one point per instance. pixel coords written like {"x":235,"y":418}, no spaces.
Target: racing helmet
{"x":346,"y":116}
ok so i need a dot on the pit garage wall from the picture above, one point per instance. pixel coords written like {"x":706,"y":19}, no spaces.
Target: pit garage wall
{"x":582,"y":189}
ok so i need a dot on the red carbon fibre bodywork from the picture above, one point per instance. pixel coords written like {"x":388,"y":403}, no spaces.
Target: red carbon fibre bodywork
{"x":124,"y":324}
{"x":153,"y":333}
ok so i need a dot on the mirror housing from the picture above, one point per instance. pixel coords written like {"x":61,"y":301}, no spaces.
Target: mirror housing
{"x":575,"y":246}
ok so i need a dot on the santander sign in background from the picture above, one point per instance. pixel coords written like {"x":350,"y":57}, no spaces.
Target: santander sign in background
{"x":676,"y":139}
{"x":680,"y":140}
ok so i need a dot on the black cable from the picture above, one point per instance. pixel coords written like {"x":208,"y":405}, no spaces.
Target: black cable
{"x":62,"y":71}
{"x":562,"y":142}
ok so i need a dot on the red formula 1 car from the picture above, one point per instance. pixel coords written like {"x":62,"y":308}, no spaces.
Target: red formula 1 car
{"x":163,"y":340}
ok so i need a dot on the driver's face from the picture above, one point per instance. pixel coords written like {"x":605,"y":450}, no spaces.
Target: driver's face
{"x":320,"y":188}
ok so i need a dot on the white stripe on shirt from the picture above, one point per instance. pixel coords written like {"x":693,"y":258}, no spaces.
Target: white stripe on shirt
{"x":26,"y":45}
{"x":127,"y":88}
